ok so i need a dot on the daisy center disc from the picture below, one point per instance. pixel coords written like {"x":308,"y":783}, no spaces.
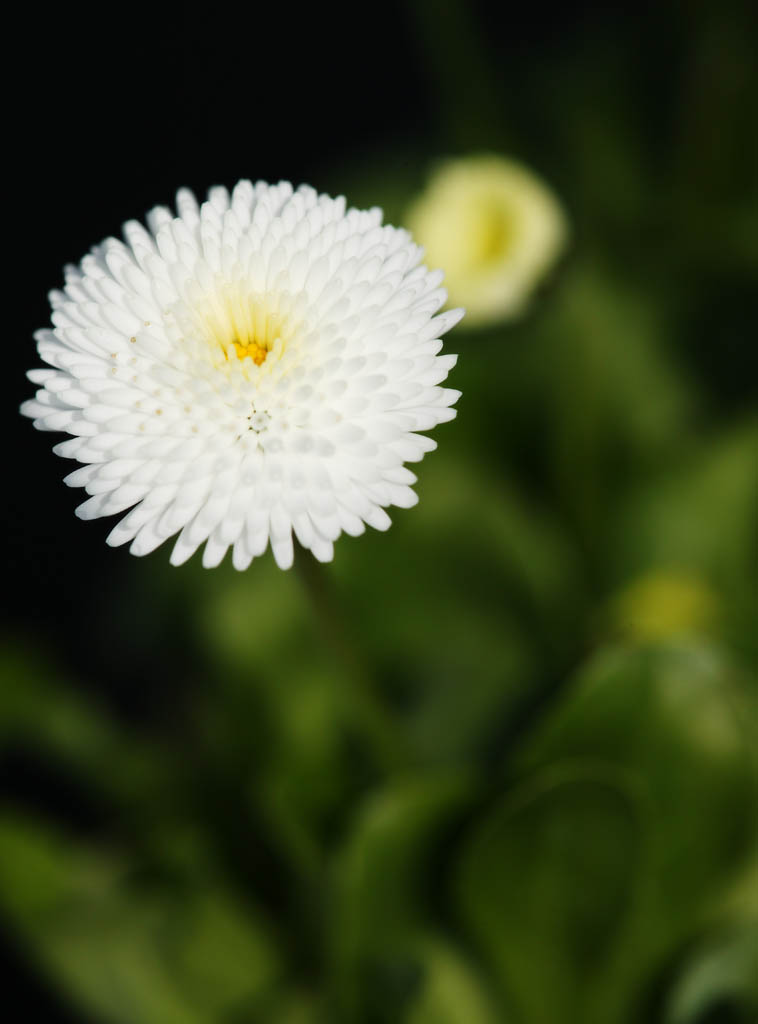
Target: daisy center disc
{"x":250,"y":328}
{"x":237,"y":324}
{"x":250,"y":348}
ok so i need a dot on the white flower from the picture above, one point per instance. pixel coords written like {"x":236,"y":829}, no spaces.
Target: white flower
{"x":254,"y":366}
{"x":495,"y":227}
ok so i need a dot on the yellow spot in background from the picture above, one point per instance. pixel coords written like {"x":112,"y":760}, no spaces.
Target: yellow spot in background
{"x":665,"y":604}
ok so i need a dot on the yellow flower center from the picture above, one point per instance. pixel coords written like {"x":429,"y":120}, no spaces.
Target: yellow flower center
{"x":237,"y":323}
{"x":245,"y":326}
{"x":256,"y":352}
{"x":253,"y":328}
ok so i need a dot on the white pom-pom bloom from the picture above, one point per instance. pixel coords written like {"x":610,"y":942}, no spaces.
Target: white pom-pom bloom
{"x":253,"y":367}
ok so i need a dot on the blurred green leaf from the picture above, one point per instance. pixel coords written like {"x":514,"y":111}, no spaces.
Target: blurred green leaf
{"x":128,"y":950}
{"x":380,"y":873}
{"x":249,"y":621}
{"x":676,"y":718}
{"x":39,"y":708}
{"x":451,"y":991}
{"x":545,"y":883}
{"x":703,"y":512}
{"x":287,"y":700}
{"x":677,"y":721}
{"x":723,"y":971}
{"x":615,"y":400}
{"x":487,"y":580}
{"x":293,"y":1008}
{"x":380,"y":868}
{"x":42,"y":711}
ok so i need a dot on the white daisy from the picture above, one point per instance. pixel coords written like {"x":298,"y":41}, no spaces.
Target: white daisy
{"x":258,"y":365}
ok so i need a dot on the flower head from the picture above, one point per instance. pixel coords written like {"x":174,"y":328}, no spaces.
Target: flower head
{"x":254,"y":366}
{"x":495,"y":227}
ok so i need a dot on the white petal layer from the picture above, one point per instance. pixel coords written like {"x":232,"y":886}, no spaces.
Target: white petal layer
{"x":257,"y":367}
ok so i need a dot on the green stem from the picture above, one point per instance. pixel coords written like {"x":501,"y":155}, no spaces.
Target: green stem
{"x":368,"y":712}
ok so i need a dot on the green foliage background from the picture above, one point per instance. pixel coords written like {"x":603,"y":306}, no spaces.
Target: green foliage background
{"x":463,"y":786}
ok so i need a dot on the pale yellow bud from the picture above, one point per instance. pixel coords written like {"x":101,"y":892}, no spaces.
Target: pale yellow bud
{"x":494,"y":227}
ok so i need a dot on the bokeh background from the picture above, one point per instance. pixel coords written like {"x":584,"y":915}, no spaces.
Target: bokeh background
{"x":497,"y":766}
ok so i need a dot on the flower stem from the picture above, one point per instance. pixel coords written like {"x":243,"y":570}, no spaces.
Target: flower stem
{"x":369,"y":714}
